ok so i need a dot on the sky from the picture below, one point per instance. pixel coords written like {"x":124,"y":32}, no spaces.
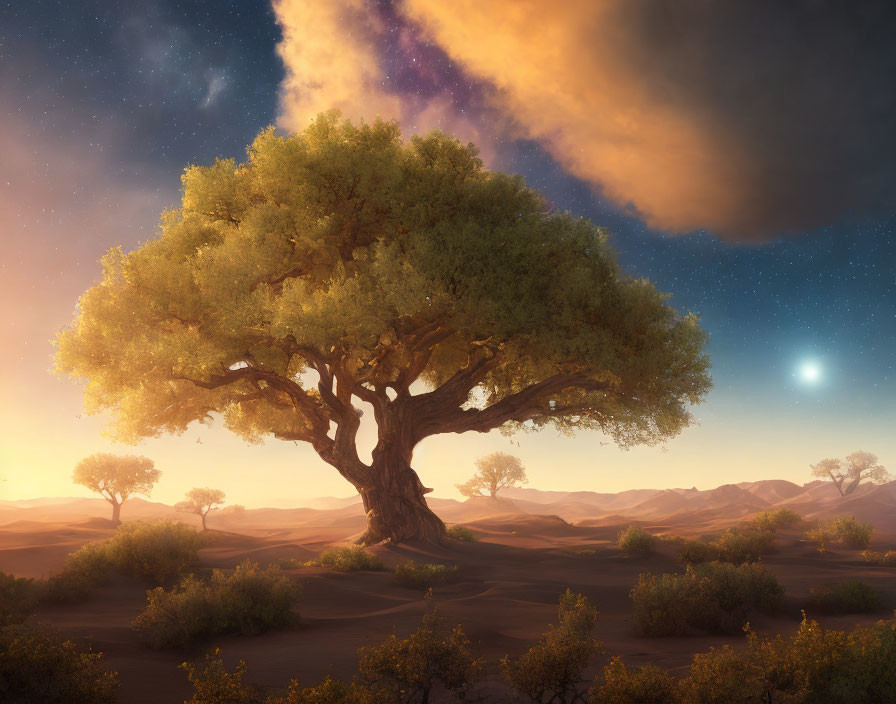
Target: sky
{"x":741,"y":154}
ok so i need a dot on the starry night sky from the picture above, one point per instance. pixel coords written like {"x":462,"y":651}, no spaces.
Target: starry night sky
{"x":102,"y":104}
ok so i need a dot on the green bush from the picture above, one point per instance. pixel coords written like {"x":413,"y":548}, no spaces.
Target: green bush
{"x":618,"y":684}
{"x":851,"y":597}
{"x":885,"y":559}
{"x":695,"y":552}
{"x":329,"y":691}
{"x":213,"y":683}
{"x":552,"y":669}
{"x":823,"y":535}
{"x":38,"y":667}
{"x":156,"y":552}
{"x":409,"y":669}
{"x":742,"y":545}
{"x":415,"y":575}
{"x":775,"y":519}
{"x":851,"y":533}
{"x":461,"y":533}
{"x":349,"y":558}
{"x":19,"y":597}
{"x":715,"y":597}
{"x":289,"y":563}
{"x":84,"y":569}
{"x":816,"y":666}
{"x":247,"y":601}
{"x":635,"y":541}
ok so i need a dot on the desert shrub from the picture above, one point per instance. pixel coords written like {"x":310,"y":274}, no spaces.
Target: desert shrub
{"x":715,"y":597}
{"x":695,"y":552}
{"x":39,"y":667}
{"x":349,"y":558}
{"x":742,"y":545}
{"x":665,"y":605}
{"x":84,"y":569}
{"x":415,"y":575}
{"x":289,"y":563}
{"x":552,"y":669}
{"x":850,"y":597}
{"x":886,"y":559}
{"x":618,"y":684}
{"x":462,"y":533}
{"x":775,"y":519}
{"x":19,"y":597}
{"x":329,"y":691}
{"x":851,"y":533}
{"x":247,"y":601}
{"x":213,"y":683}
{"x":822,"y":535}
{"x":635,"y":541}
{"x":815,"y":666}
{"x":159,"y":551}
{"x":405,"y":671}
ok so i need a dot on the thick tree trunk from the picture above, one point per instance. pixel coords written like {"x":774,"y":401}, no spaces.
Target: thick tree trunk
{"x":116,"y":512}
{"x":203,"y":521}
{"x":394,"y":500}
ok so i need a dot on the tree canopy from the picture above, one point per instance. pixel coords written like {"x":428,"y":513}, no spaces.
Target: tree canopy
{"x":201,"y":501}
{"x":848,"y":474}
{"x":345,"y":265}
{"x":116,"y":477}
{"x":494,"y":472}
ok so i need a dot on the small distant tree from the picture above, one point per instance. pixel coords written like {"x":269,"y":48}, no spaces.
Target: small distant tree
{"x":117,"y":477}
{"x":200,"y":502}
{"x":494,"y":472}
{"x":848,"y":474}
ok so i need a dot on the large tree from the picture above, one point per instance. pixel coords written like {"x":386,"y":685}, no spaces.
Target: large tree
{"x":848,"y":474}
{"x":494,"y":472}
{"x":117,"y":477}
{"x":200,"y":502}
{"x":344,"y":265}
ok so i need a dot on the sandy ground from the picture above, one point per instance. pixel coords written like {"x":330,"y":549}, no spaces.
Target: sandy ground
{"x":506,"y":596}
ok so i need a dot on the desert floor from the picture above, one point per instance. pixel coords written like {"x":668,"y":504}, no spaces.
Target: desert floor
{"x":505,"y":598}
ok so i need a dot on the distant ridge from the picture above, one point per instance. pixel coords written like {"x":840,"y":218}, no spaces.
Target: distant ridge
{"x":707,"y":510}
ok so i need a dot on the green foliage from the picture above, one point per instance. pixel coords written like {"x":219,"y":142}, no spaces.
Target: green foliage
{"x":634,"y":540}
{"x":553,"y":667}
{"x":19,"y":597}
{"x":117,"y":477}
{"x":775,"y":519}
{"x":329,"y":691}
{"x":416,"y":575}
{"x":618,"y":684}
{"x":741,"y":545}
{"x":157,"y":552}
{"x":84,"y":569}
{"x":851,"y":533}
{"x":714,"y":597}
{"x":822,"y":535}
{"x":887,"y":559}
{"x":494,"y":472}
{"x":247,"y":601}
{"x":213,"y":683}
{"x":349,"y":558}
{"x":289,"y":563}
{"x":38,"y":667}
{"x":346,"y":248}
{"x":405,"y":671}
{"x":696,"y":552}
{"x":461,"y":533}
{"x":850,"y":597}
{"x":845,"y":530}
{"x":816,"y":666}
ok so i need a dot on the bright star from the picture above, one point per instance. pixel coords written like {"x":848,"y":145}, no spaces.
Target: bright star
{"x":810,"y":372}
